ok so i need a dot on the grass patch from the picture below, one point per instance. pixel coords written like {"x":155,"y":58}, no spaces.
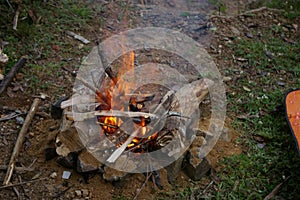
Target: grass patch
{"x":265,"y":164}
{"x":45,"y":41}
{"x":291,"y":7}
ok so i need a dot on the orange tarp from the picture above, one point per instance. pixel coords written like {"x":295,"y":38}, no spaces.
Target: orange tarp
{"x":292,"y":103}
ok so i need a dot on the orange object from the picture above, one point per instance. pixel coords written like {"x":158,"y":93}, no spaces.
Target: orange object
{"x":292,"y":107}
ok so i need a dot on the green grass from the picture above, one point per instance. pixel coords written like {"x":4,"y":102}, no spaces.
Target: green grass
{"x":36,"y":39}
{"x":291,"y":7}
{"x":257,"y":171}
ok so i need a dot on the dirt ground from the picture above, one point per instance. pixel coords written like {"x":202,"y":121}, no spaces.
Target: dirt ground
{"x":199,"y":25}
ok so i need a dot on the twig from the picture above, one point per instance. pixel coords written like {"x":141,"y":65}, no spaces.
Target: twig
{"x":10,"y":6}
{"x":22,"y":183}
{"x":261,"y":9}
{"x":16,"y":17}
{"x":77,"y":37}
{"x":18,"y":169}
{"x":108,"y":125}
{"x":164,"y":99}
{"x":20,"y":140}
{"x":206,"y":188}
{"x":142,"y":187}
{"x":276,"y":189}
{"x":78,"y":99}
{"x":16,"y":192}
{"x":94,"y":89}
{"x":10,"y":116}
{"x":118,"y":113}
{"x":8,"y":78}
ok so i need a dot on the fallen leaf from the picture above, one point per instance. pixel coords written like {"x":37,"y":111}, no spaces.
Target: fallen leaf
{"x":55,"y":47}
{"x":246,"y":89}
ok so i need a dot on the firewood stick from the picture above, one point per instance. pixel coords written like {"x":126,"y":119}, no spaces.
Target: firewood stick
{"x":78,"y":37}
{"x":16,"y":17}
{"x":22,"y":183}
{"x":20,"y":140}
{"x":107,"y":69}
{"x":118,"y":113}
{"x":108,"y":125}
{"x":18,"y":169}
{"x":164,"y":99}
{"x":94,"y":89}
{"x":117,"y":153}
{"x":8,"y":78}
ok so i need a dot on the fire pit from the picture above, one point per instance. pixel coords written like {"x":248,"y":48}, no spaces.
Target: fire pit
{"x":137,"y":119}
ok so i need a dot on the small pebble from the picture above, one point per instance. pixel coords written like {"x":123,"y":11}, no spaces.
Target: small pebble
{"x":261,"y":145}
{"x":53,"y":175}
{"x":78,"y":193}
{"x":85,"y":192}
{"x":227,"y":78}
{"x":20,"y":120}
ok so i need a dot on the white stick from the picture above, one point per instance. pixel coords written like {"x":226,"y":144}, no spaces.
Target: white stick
{"x":117,"y":153}
{"x":78,"y":37}
{"x":117,"y":113}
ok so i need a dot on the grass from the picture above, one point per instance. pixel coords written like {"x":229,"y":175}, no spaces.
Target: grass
{"x":256,"y":172}
{"x":37,"y":39}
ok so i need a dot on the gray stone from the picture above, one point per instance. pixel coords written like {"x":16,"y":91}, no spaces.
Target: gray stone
{"x":85,"y":192}
{"x":87,"y":163}
{"x":78,"y":193}
{"x":196,"y":168}
{"x":235,"y":31}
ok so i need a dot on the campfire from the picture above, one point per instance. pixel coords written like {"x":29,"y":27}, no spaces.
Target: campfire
{"x":126,"y":119}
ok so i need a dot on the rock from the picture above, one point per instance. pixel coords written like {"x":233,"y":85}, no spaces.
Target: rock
{"x":196,"y":168}
{"x":68,"y":161}
{"x":226,"y":135}
{"x":281,"y":83}
{"x":235,"y":31}
{"x":269,"y":54}
{"x":78,"y":193}
{"x":174,"y":168}
{"x":53,"y":175}
{"x":68,"y":142}
{"x":87,"y":163}
{"x":56,"y":111}
{"x":227,"y":78}
{"x":20,"y":120}
{"x":112,"y":175}
{"x":249,"y":35}
{"x":85,"y":192}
